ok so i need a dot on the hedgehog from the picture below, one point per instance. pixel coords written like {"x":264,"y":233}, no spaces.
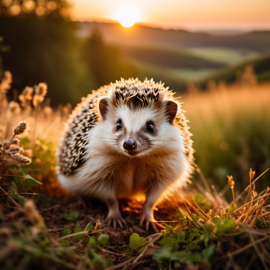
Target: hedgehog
{"x":123,"y":140}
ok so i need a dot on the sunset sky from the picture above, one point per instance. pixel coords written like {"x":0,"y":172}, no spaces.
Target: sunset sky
{"x":193,"y":14}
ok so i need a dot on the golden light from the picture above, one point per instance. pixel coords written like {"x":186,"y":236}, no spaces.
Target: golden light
{"x":128,"y":16}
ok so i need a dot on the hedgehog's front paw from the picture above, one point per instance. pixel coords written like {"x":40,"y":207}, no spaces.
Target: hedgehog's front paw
{"x":147,"y":216}
{"x":115,"y":217}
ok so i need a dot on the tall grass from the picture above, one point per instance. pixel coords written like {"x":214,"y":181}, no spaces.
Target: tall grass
{"x":231,"y":130}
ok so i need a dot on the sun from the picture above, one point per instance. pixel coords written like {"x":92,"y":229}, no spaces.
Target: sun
{"x":128,"y":16}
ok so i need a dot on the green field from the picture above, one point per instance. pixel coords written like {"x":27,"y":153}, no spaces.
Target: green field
{"x":260,"y":65}
{"x":169,"y":58}
{"x":228,"y":56}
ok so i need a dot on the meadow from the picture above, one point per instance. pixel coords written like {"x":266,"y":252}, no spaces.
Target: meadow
{"x":211,"y":226}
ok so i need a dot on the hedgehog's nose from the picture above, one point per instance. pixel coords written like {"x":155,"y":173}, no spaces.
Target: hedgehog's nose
{"x":130,"y":144}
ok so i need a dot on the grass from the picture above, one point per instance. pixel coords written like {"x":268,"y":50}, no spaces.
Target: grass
{"x":41,"y":228}
{"x":231,"y":130}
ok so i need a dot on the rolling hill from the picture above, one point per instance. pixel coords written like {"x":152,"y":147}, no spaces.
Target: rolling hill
{"x":261,"y":67}
{"x":168,"y":58}
{"x":140,"y":35}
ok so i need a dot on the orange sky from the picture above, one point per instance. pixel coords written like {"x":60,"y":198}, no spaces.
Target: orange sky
{"x":190,"y":14}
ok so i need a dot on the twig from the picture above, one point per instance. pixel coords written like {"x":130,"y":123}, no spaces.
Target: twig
{"x":246,"y":247}
{"x":258,"y":252}
{"x":146,"y":247}
{"x":167,"y":221}
{"x":120,"y":264}
{"x":79,"y":233}
{"x":22,"y":194}
{"x":204,"y":180}
{"x":50,"y":208}
{"x":235,"y":211}
{"x":265,"y":214}
{"x":59,"y":229}
{"x":137,"y":263}
{"x":259,"y":232}
{"x":118,"y":254}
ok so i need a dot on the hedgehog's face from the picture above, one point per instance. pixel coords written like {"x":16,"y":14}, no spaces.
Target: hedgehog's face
{"x":138,"y":132}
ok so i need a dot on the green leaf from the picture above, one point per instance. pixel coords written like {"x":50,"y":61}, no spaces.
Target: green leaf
{"x":76,"y":230}
{"x":17,"y":181}
{"x":93,"y":243}
{"x":199,"y":199}
{"x":174,"y":235}
{"x":208,"y":230}
{"x":103,"y":239}
{"x":23,"y":168}
{"x":89,"y":227}
{"x":71,"y":216}
{"x":181,"y":237}
{"x":14,"y":194}
{"x":66,"y":231}
{"x":229,"y":224}
{"x":99,"y":261}
{"x":168,"y":228}
{"x":167,"y":242}
{"x":186,"y":257}
{"x":29,"y":181}
{"x":193,"y":233}
{"x":231,"y":208}
{"x":164,"y":253}
{"x":136,"y":241}
{"x":207,"y":253}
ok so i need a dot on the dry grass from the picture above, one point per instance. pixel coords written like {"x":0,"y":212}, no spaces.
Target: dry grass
{"x":231,"y":129}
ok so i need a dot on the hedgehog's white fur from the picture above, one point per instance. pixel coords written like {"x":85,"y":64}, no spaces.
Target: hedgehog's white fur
{"x":109,"y":173}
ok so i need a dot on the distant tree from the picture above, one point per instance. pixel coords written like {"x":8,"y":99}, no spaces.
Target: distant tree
{"x":13,"y":8}
{"x":105,"y":60}
{"x":43,"y":47}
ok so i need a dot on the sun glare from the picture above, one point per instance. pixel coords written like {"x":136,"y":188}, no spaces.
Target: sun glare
{"x":128,"y":16}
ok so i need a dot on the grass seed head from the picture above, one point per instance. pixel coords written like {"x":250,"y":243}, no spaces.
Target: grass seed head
{"x":19,"y":129}
{"x":41,"y":91}
{"x":230,"y":181}
{"x":254,"y":193}
{"x":14,"y":107}
{"x":26,"y":96}
{"x":98,"y":225}
{"x":15,"y":141}
{"x":6,"y":82}
{"x":20,"y":158}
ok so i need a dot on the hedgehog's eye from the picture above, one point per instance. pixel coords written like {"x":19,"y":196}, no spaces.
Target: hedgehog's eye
{"x":118,"y":125}
{"x":150,"y":127}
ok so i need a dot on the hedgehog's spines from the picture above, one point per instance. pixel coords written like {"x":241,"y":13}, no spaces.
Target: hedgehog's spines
{"x":131,"y":92}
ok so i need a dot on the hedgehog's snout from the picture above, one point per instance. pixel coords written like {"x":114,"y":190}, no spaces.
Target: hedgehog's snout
{"x":130,"y":144}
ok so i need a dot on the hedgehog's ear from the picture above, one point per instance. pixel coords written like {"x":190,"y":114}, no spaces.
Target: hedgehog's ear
{"x":171,"y":108}
{"x":103,"y":107}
